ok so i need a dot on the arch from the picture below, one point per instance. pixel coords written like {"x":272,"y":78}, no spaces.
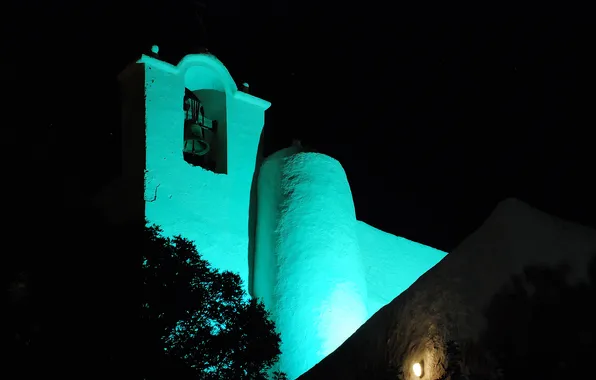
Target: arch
{"x":206,"y":72}
{"x":218,"y":78}
{"x":205,"y":76}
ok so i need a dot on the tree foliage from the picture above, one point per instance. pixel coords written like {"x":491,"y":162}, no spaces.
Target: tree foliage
{"x":197,"y":321}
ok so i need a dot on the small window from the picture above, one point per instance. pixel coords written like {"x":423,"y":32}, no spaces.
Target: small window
{"x":199,"y":133}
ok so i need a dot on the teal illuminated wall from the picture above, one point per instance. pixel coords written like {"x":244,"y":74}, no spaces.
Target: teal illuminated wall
{"x":391,"y":264}
{"x":308,"y":266}
{"x":210,"y":209}
{"x":320,"y":271}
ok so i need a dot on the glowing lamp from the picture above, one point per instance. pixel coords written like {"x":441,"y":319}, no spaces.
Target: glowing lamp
{"x":417,"y":369}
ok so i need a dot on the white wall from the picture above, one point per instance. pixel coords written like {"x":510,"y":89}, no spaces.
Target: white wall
{"x":391,"y":264}
{"x":308,"y":267}
{"x":319,"y":271}
{"x":208,"y":208}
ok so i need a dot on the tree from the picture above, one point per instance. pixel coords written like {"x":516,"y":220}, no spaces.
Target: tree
{"x":197,"y":322}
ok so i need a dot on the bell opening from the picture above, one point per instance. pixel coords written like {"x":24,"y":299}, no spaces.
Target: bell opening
{"x":201,"y":140}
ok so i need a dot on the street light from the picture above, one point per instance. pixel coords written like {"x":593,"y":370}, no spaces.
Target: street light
{"x":417,"y":369}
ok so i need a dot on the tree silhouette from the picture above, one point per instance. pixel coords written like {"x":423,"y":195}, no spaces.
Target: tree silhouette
{"x":198,"y":322}
{"x":70,"y":310}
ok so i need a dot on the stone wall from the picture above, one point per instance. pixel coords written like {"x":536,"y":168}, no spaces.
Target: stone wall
{"x":456,"y":299}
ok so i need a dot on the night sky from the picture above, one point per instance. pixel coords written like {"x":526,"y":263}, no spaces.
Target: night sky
{"x":436,"y":112}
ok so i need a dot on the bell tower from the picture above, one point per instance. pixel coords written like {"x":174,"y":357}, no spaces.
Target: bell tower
{"x":190,"y":140}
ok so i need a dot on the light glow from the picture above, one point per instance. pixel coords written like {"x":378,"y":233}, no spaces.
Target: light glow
{"x":417,"y":368}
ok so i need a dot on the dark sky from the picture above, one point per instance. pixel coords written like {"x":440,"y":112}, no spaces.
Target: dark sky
{"x":437,"y":112}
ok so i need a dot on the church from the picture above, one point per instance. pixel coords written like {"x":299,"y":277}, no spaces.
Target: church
{"x":286,"y":223}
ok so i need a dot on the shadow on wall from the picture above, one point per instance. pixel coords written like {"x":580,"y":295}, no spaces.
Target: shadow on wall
{"x":252,"y":213}
{"x":538,"y":327}
{"x":541,"y":327}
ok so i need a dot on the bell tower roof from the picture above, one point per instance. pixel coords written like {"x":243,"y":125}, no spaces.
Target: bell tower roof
{"x":203,"y":71}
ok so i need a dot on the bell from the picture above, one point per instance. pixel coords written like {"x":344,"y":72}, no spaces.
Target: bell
{"x":194,"y":141}
{"x":196,"y":147}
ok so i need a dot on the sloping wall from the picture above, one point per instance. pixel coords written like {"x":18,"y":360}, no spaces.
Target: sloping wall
{"x":451,"y":301}
{"x":391,"y":264}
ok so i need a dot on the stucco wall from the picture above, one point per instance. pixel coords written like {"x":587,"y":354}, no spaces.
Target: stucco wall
{"x":391,"y":264}
{"x":319,"y":271}
{"x":308,"y":266}
{"x":208,"y":208}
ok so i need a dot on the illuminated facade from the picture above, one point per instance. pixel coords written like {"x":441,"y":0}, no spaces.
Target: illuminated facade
{"x":320,"y":271}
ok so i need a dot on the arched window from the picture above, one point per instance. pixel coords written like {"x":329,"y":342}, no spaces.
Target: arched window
{"x":199,"y":133}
